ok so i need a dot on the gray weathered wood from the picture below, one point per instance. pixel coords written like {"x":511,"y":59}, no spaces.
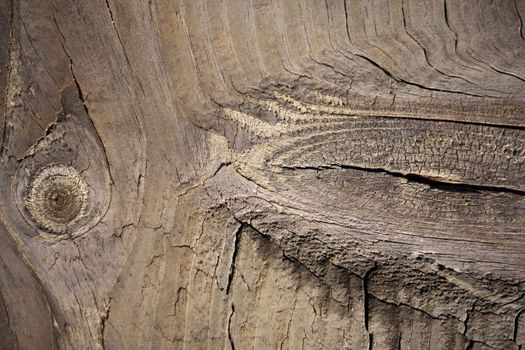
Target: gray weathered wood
{"x":269,"y":174}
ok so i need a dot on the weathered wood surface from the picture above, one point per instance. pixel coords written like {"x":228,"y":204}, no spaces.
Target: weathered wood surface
{"x":262,"y":174}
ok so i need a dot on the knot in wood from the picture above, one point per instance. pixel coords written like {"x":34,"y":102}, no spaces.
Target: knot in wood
{"x":57,"y":198}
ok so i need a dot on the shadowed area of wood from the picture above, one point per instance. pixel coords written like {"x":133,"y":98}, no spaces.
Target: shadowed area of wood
{"x":267,"y":174}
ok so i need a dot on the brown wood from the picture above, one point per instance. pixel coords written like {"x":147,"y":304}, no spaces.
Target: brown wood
{"x":286,"y":174}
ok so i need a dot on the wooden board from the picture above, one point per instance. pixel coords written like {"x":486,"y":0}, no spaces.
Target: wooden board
{"x":262,"y":174}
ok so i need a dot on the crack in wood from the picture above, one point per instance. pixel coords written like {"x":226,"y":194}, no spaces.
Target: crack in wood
{"x":437,"y":183}
{"x":232,"y":268}
{"x":230,"y":338}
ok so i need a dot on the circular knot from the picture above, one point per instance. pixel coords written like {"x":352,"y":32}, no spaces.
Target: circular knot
{"x":57,"y":198}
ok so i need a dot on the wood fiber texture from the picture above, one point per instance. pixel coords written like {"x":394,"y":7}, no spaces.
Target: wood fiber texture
{"x":262,"y":174}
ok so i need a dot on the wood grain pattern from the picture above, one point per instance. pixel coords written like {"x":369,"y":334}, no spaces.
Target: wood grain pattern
{"x":267,"y":174}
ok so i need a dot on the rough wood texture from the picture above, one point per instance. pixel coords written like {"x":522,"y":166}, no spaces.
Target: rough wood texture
{"x":268,"y":174}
